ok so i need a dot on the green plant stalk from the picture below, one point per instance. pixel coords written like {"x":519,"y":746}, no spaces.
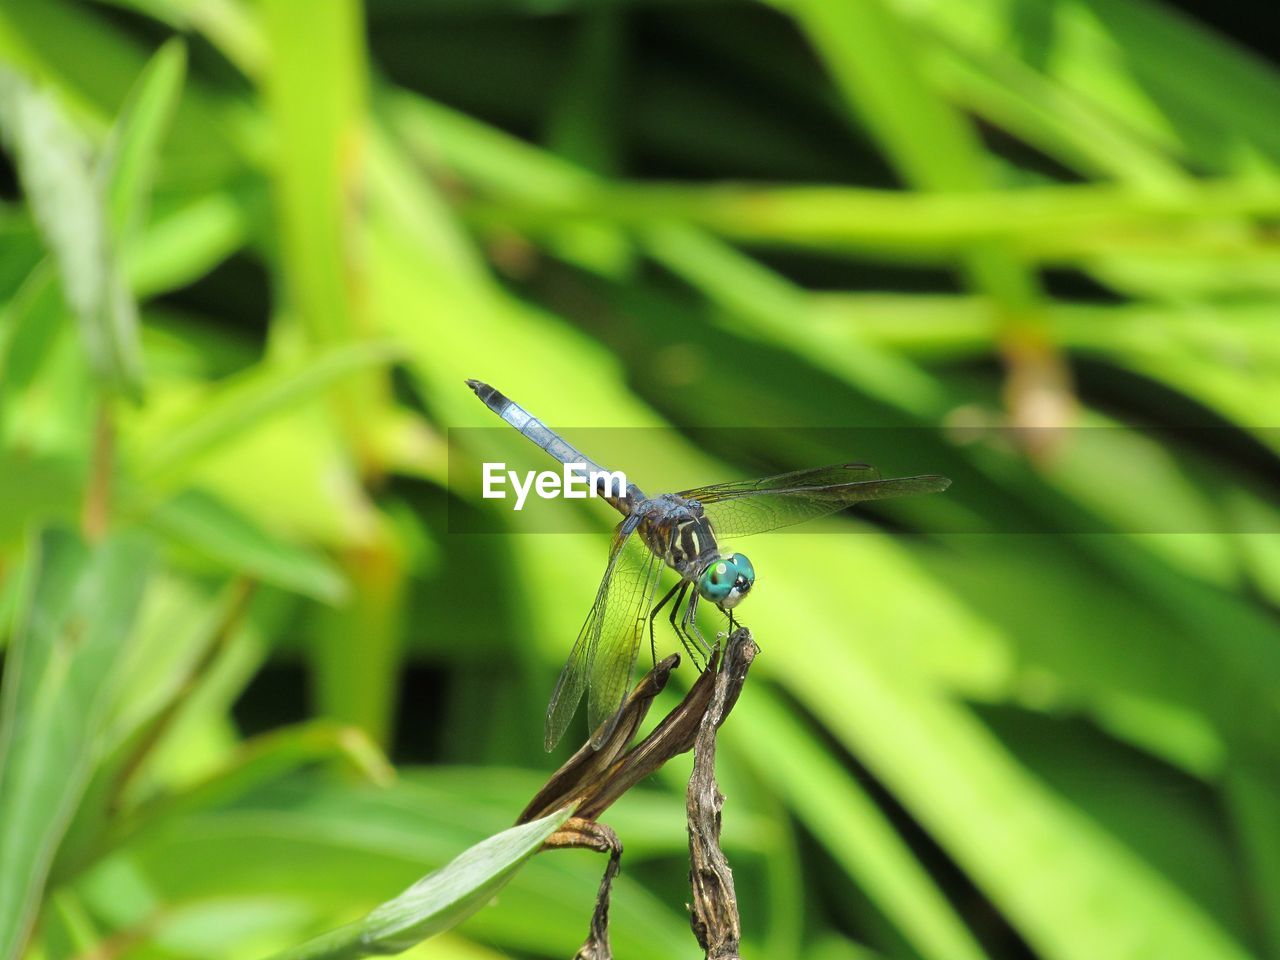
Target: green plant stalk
{"x":1048,"y":224}
{"x":359,"y":642}
{"x":96,"y":512}
{"x":318,"y":174}
{"x":875,"y":65}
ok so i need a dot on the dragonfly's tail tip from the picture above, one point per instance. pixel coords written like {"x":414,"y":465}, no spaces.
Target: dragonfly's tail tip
{"x":483,"y":391}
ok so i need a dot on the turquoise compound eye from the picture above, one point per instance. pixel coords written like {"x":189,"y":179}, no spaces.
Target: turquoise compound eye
{"x":745,"y":569}
{"x":717,"y":580}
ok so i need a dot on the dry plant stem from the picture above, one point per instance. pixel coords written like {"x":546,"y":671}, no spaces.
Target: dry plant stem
{"x":594,"y":779}
{"x":714,"y":911}
{"x":585,"y":768}
{"x":579,"y":833}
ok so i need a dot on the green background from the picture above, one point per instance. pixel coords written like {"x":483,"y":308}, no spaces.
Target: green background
{"x":255,"y":686}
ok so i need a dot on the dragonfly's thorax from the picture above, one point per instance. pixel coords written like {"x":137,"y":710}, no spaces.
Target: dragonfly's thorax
{"x":677,"y":531}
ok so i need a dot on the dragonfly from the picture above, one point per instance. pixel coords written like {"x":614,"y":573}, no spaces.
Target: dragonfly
{"x":681,"y":531}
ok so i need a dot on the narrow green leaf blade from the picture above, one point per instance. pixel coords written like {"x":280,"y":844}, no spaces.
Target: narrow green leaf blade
{"x":846,"y":821}
{"x":250,"y":399}
{"x":448,"y":896}
{"x":133,"y":153}
{"x":212,"y":528}
{"x":73,"y":620}
{"x":440,"y":900}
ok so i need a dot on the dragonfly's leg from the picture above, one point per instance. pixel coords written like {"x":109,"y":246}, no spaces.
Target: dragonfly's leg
{"x":690,"y":647}
{"x":653,"y":645}
{"x":690,"y":623}
{"x":735,"y":624}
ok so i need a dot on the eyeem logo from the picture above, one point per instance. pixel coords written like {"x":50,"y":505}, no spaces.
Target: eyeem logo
{"x":572,"y":483}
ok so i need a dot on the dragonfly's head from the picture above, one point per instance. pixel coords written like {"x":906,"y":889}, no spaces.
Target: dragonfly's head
{"x":726,"y":580}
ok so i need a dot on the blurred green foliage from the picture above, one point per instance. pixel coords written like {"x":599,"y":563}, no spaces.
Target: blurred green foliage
{"x":250,"y":250}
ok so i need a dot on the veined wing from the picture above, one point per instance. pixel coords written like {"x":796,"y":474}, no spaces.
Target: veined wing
{"x":745,"y":507}
{"x":812,"y":477}
{"x":612,"y":630}
{"x":626,"y":617}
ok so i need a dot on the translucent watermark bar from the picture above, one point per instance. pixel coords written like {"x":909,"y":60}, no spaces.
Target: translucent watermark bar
{"x":1067,"y":480}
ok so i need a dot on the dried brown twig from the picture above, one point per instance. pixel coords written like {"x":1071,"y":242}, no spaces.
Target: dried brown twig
{"x":576,"y":834}
{"x":593,"y":779}
{"x":714,"y":911}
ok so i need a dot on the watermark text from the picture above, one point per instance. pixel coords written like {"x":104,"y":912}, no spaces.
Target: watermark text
{"x":573,"y":482}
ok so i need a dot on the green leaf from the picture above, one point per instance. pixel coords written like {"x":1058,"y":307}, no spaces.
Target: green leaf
{"x":262,"y":759}
{"x":1254,"y":796}
{"x":768,"y":305}
{"x":758,"y":298}
{"x":1080,"y":132}
{"x":70,"y":639}
{"x":344,"y":847}
{"x":438,"y":901}
{"x":1072,"y":888}
{"x":133,"y":151}
{"x":877,"y":68}
{"x":207,"y":525}
{"x":36,"y":490}
{"x":1157,"y":90}
{"x":57,"y":170}
{"x":29,"y":325}
{"x":183,"y":244}
{"x":844,"y":819}
{"x":249,"y":399}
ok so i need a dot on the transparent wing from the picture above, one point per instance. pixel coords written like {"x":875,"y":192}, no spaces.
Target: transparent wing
{"x":745,"y":507}
{"x":625,"y":620}
{"x":812,"y":477}
{"x":609,"y":626}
